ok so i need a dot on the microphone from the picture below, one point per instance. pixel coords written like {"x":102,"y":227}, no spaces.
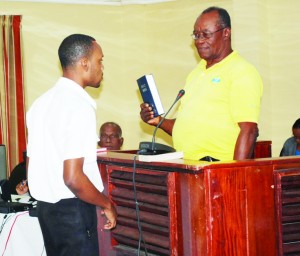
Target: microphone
{"x":152,"y":148}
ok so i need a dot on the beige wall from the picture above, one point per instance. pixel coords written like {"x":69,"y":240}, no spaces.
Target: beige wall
{"x":141,"y":39}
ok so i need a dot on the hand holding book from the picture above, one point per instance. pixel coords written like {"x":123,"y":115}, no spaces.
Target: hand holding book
{"x":150,"y":94}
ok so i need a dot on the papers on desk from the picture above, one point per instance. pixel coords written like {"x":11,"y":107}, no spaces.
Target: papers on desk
{"x":160,"y":157}
{"x":21,"y":198}
{"x":101,"y":150}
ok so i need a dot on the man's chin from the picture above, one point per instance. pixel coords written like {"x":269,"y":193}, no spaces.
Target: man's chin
{"x":97,"y":85}
{"x":94,"y":85}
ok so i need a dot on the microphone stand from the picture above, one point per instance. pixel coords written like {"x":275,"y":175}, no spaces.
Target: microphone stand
{"x":161,"y":121}
{"x":156,"y":148}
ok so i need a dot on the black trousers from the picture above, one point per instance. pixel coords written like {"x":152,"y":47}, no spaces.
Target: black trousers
{"x":69,"y":227}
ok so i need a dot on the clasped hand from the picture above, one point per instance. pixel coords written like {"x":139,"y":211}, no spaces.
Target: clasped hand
{"x":147,"y":115}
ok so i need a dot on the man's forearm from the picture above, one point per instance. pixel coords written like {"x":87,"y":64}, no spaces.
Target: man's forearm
{"x":246,"y":141}
{"x":244,"y":148}
{"x":167,"y":126}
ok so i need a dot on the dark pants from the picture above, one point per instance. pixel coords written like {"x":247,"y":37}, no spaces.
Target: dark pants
{"x":69,"y":228}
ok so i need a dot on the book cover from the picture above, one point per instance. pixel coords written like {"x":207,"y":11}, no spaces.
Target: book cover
{"x":150,"y":94}
{"x":160,"y":157}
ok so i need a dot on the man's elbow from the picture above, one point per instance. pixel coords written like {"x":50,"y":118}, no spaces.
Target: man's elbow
{"x":249,"y":128}
{"x":72,"y":184}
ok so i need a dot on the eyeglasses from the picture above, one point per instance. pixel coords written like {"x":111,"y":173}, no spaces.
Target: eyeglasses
{"x":204,"y":34}
{"x":111,"y":136}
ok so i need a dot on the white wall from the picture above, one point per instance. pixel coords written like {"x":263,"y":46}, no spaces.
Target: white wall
{"x":140,"y":39}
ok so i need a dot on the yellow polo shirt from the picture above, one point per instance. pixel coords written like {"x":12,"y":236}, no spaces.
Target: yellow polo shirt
{"x":215,"y":101}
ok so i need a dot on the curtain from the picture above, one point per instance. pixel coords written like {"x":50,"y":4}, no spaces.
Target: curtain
{"x":12,"y":109}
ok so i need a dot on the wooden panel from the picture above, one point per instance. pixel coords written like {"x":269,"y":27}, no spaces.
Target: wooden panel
{"x":191,"y":214}
{"x":288,"y":210}
{"x":261,"y":221}
{"x":153,"y":215}
{"x":240,"y":211}
{"x":226,"y":213}
{"x":263,"y":149}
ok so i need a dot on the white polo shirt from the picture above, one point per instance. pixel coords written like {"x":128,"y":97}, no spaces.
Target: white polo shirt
{"x":61,"y":125}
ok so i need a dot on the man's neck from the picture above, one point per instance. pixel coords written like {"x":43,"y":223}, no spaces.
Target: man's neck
{"x":211,"y":62}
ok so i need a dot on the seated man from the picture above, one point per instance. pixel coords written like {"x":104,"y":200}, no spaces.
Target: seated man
{"x":17,"y":180}
{"x":291,"y":146}
{"x":110,"y":136}
{"x":16,"y":184}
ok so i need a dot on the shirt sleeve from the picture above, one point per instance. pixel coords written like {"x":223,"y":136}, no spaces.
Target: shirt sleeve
{"x":246,"y":93}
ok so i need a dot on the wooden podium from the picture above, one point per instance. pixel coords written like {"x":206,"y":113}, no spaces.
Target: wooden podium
{"x":196,"y":208}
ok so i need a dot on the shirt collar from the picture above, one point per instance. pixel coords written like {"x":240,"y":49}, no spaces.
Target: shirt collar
{"x":78,"y":89}
{"x":203,"y":62}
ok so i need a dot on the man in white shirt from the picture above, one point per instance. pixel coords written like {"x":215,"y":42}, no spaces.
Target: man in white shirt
{"x":63,"y":174}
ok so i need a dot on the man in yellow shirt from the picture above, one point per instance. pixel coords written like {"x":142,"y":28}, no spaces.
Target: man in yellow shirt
{"x":219,"y":113}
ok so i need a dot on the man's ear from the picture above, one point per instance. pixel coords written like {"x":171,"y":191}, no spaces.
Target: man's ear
{"x":84,"y":63}
{"x":227,"y":33}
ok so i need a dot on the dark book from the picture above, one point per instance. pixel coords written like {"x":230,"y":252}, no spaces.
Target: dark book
{"x":150,"y":94}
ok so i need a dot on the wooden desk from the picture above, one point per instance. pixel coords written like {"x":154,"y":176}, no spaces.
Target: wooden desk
{"x":196,"y":208}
